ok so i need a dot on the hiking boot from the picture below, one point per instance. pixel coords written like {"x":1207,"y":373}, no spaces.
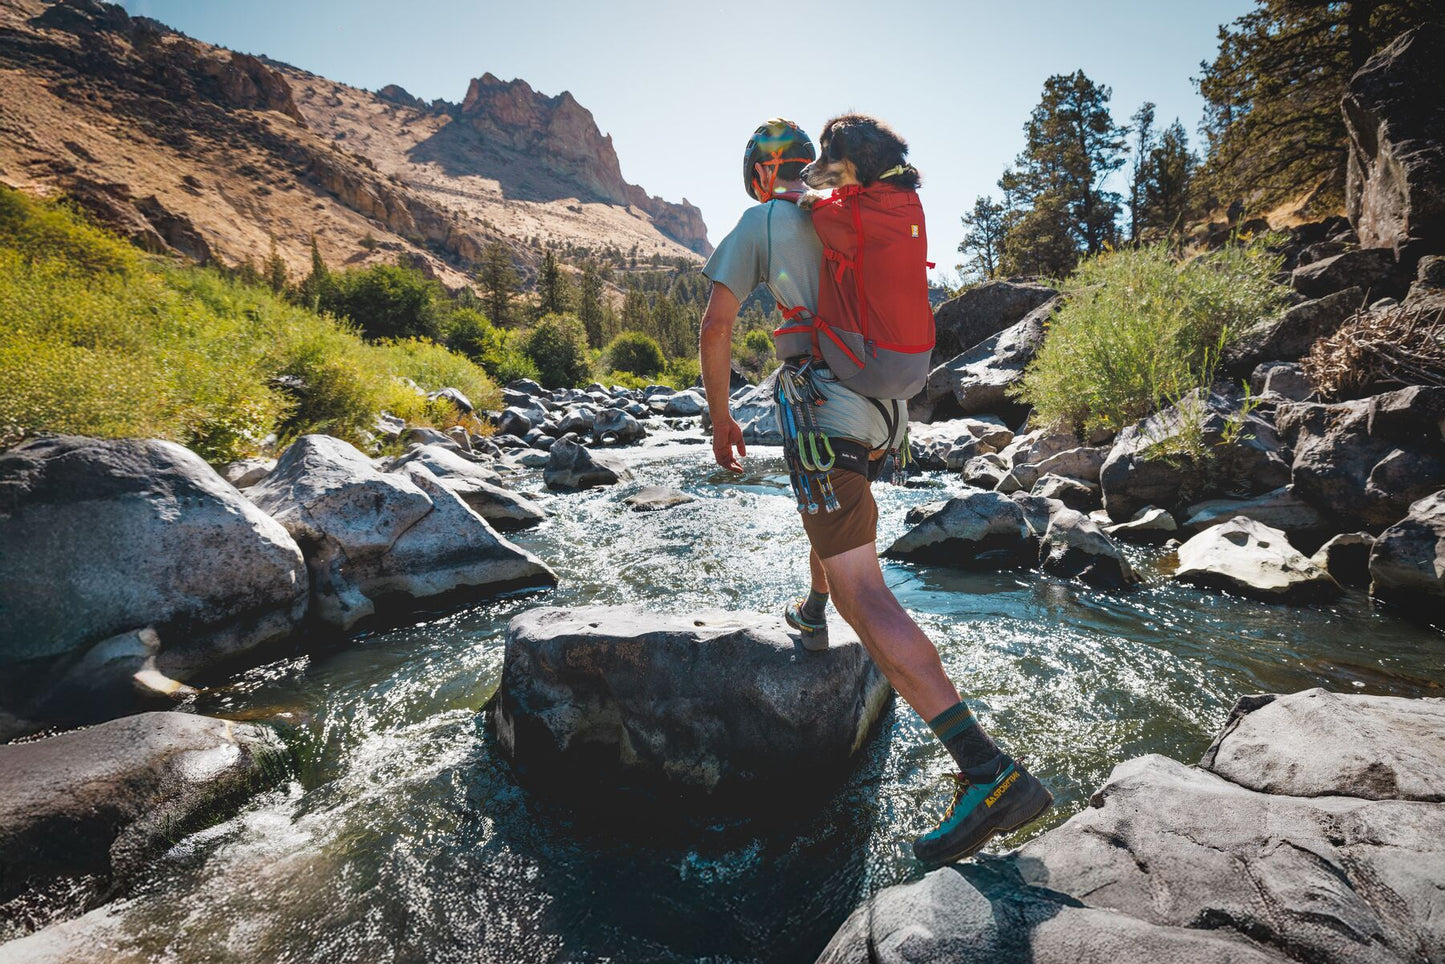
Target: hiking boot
{"x":813,"y":632}
{"x":996,"y":798}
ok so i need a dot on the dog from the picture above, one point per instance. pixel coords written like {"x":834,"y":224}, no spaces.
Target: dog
{"x":858,"y":149}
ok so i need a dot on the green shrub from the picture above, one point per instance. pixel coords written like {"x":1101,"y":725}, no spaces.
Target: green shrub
{"x":1138,"y":330}
{"x":683,"y":372}
{"x":635,"y":353}
{"x":557,"y":345}
{"x":386,"y":301}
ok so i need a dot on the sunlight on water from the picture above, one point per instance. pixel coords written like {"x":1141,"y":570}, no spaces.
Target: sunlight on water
{"x":403,"y":837}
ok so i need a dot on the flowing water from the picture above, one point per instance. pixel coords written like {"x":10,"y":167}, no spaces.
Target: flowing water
{"x":403,"y":836}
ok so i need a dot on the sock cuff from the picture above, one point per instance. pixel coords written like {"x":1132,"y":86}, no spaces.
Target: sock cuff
{"x":953,"y":721}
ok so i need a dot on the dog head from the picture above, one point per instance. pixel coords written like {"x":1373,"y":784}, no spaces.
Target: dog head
{"x":858,"y":149}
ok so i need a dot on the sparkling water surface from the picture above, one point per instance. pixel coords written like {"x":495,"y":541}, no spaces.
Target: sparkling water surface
{"x":403,"y":836}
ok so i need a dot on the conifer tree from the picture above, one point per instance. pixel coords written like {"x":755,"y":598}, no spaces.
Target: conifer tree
{"x":983,"y":242}
{"x":314,"y":286}
{"x":1144,"y":139}
{"x":554,"y":294}
{"x":499,"y":280}
{"x":590,"y":306}
{"x":1168,"y":184}
{"x":276,"y":274}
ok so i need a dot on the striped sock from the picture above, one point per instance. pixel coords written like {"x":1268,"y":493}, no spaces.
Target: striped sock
{"x":813,"y":606}
{"x":963,"y":737}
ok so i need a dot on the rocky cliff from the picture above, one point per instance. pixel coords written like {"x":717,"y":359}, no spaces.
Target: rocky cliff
{"x":217,"y":155}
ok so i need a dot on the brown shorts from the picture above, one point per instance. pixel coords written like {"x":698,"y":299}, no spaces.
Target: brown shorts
{"x":854,"y":523}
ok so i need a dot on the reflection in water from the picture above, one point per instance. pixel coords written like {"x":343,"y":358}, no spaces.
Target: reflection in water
{"x":404,"y":838}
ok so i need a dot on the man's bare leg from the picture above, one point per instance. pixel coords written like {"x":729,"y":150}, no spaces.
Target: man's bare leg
{"x":819,"y":574}
{"x":809,"y":616}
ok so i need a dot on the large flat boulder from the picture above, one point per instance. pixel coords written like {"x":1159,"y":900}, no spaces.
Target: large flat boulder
{"x":1287,"y":843}
{"x":1395,"y":176}
{"x":702,"y":700}
{"x":104,"y":800}
{"x":1249,"y":558}
{"x":1407,"y":562}
{"x":103,"y":537}
{"x":1369,"y":269}
{"x":384,"y":539}
{"x":981,"y":312}
{"x":1282,"y":509}
{"x":974,"y":530}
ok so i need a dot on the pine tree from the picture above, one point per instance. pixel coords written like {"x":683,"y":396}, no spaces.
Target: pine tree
{"x":590,"y":306}
{"x":499,"y":279}
{"x":1144,"y":140}
{"x":276,"y":274}
{"x":982,"y":244}
{"x":553,"y":290}
{"x":1272,"y":122}
{"x":316,"y":284}
{"x":1168,"y":185}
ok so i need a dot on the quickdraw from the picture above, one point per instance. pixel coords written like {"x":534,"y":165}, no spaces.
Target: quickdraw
{"x":807,"y":449}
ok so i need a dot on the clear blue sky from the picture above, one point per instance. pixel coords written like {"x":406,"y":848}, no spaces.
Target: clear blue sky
{"x":681,"y":85}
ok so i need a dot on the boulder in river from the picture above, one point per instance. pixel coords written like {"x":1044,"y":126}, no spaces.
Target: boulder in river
{"x":974,"y":530}
{"x":1071,"y":492}
{"x":613,"y":426}
{"x":104,"y":800}
{"x":1249,"y":558}
{"x":654,"y":498}
{"x":570,"y":465}
{"x":1288,"y":842}
{"x":1074,"y":546}
{"x":478,"y":486}
{"x":1407,"y":563}
{"x":1346,"y":557}
{"x":1150,"y":524}
{"x":382,"y":539}
{"x":697,"y":700}
{"x":1281,"y":509}
{"x":102,"y":537}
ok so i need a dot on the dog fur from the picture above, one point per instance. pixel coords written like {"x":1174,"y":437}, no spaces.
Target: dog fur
{"x":857,"y":149}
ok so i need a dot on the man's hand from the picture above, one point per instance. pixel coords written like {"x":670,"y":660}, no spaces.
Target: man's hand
{"x":726,"y":437}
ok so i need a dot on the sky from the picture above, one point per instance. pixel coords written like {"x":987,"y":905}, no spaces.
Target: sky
{"x":680,"y":85}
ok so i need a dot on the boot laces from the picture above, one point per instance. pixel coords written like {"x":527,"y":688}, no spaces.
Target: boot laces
{"x":961,"y":783}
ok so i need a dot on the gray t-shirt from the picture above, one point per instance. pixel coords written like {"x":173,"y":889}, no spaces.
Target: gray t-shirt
{"x":773,"y":244}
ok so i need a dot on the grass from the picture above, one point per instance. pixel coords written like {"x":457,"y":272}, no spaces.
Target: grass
{"x":98,"y":339}
{"x":1139,"y":330}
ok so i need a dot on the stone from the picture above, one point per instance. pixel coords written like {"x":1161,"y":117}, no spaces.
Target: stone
{"x":447,"y":463}
{"x":1251,"y":559}
{"x":384,"y":540}
{"x":1139,"y":471}
{"x":1074,"y":546}
{"x":615,"y":427}
{"x":526,"y":386}
{"x":1150,"y":525}
{"x":573,"y":466}
{"x":103,"y":537}
{"x":984,"y":471}
{"x":579,"y":419}
{"x":1282,"y":380}
{"x":974,"y":530}
{"x":105,"y":800}
{"x":455,"y":396}
{"x":1413,"y":416}
{"x":515,"y":421}
{"x":247,"y":472}
{"x":1292,"y":745}
{"x":684,"y":404}
{"x":1368,"y":269}
{"x":1395,"y":173}
{"x":978,"y":380}
{"x":981,"y":312}
{"x":1346,"y":557}
{"x":697,"y":700}
{"x":1080,"y":496}
{"x":1289,"y":337}
{"x":1083,"y":463}
{"x":1037,"y":447}
{"x":755,"y":411}
{"x":1407,"y":563}
{"x":387,"y":426}
{"x":1281,"y":509}
{"x":477,"y":486}
{"x":655,"y":497}
{"x":428,"y":436}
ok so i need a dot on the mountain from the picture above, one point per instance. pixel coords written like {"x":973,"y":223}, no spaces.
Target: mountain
{"x":219,"y":155}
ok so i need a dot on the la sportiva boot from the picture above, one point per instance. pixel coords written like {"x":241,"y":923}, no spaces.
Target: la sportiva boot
{"x":808,"y":617}
{"x":997,"y":797}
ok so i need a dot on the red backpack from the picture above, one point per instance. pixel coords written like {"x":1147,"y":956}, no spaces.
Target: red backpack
{"x":874,"y":324}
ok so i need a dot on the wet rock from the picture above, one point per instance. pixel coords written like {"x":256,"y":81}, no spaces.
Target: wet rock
{"x":984,"y":471}
{"x":1291,"y":745}
{"x":1395,"y":178}
{"x":1280,"y":509}
{"x":573,"y":466}
{"x":1289,"y":337}
{"x":978,"y":380}
{"x":1077,"y":495}
{"x":476,"y":485}
{"x":975,"y":530}
{"x":656,"y":497}
{"x":618,"y":426}
{"x":1346,"y":557}
{"x":1369,"y":269}
{"x":1407,"y":563}
{"x":1248,"y":558}
{"x":107,"y":799}
{"x":1074,"y":546}
{"x":515,"y":421}
{"x":379,"y":540}
{"x":701,"y":700}
{"x":103,"y":537}
{"x":578,"y":419}
{"x":983,"y":311}
{"x":247,"y":472}
{"x":1149,"y":525}
{"x":755,"y":411}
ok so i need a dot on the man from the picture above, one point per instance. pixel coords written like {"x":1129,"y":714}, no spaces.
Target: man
{"x":774,"y":244}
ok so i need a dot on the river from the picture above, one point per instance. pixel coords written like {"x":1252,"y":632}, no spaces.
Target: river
{"x":403,"y":836}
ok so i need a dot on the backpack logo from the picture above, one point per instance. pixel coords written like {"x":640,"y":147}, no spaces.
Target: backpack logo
{"x":914,"y":228}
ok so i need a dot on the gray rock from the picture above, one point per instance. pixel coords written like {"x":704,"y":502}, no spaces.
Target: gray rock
{"x":1251,"y":559}
{"x":618,"y":427}
{"x":1407,"y":563}
{"x":979,"y":379}
{"x":1292,"y":745}
{"x":572,"y":466}
{"x":700,"y":700}
{"x":981,"y":312}
{"x":1413,"y":416}
{"x":978,"y":529}
{"x":516,"y":421}
{"x":387,"y":426}
{"x":755,"y":411}
{"x":455,"y":396}
{"x":479,"y":487}
{"x":1083,"y":463}
{"x":1037,"y":447}
{"x":655,"y":497}
{"x":1074,"y":546}
{"x":428,"y":436}
{"x":984,"y":471}
{"x":461,"y":437}
{"x":1289,"y":337}
{"x":105,"y":800}
{"x":684,"y":405}
{"x":447,"y":463}
{"x":1150,"y":524}
{"x":1288,"y":381}
{"x":1080,"y":496}
{"x":525,"y":386}
{"x":103,"y":537}
{"x":247,"y":472}
{"x":1364,"y":268}
{"x":375,"y":539}
{"x":578,"y":419}
{"x":1280,"y":509}
{"x":1346,"y":557}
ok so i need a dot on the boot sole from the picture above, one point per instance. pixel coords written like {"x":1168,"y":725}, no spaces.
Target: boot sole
{"x":810,"y":637}
{"x":974,"y":848}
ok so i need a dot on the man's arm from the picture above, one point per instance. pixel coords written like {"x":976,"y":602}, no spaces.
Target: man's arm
{"x":717,"y":355}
